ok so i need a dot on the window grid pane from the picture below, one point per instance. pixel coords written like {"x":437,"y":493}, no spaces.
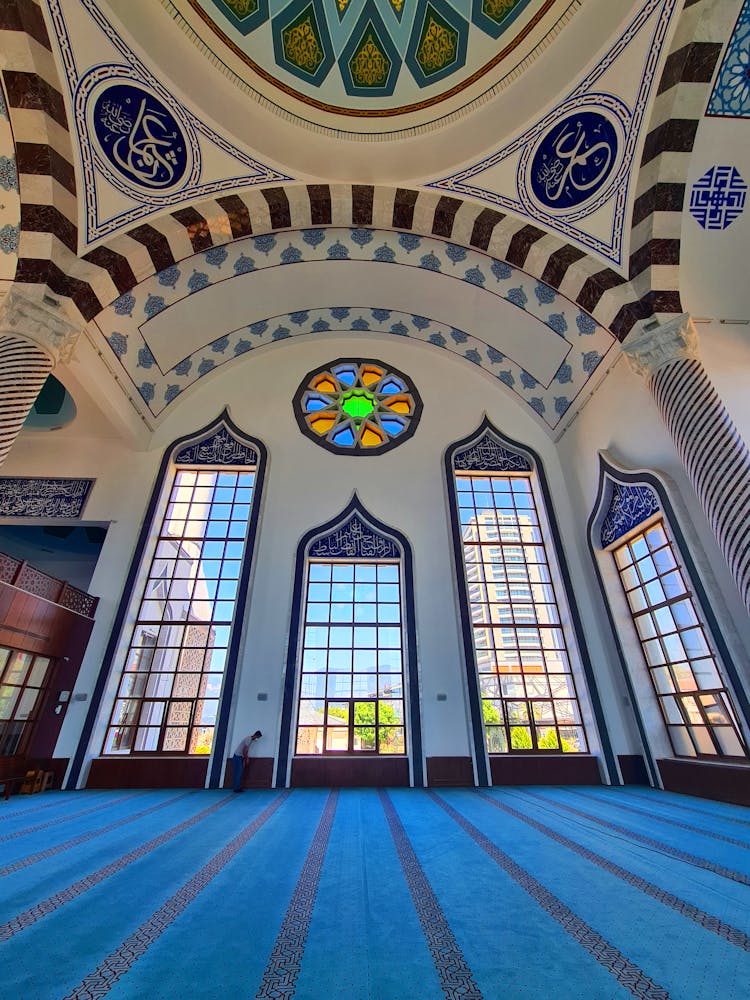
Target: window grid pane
{"x":170,"y":686}
{"x":529,"y":701}
{"x":351,"y":693}
{"x":696,"y":707}
{"x":22,"y":681}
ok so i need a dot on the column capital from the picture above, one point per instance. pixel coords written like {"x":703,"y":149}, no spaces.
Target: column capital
{"x":651,"y":345}
{"x":42,"y":324}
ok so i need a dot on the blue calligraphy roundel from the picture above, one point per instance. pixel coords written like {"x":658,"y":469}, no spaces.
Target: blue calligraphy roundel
{"x":140,"y":137}
{"x":574,"y":160}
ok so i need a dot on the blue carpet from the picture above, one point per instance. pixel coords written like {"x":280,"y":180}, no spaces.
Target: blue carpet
{"x":365,"y":894}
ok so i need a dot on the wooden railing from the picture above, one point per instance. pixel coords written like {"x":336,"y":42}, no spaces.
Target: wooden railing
{"x":18,"y":573}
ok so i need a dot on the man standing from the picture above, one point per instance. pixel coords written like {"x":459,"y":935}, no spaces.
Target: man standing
{"x":239,"y":760}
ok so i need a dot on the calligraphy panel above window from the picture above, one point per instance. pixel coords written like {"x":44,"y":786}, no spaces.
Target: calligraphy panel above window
{"x":357,"y":407}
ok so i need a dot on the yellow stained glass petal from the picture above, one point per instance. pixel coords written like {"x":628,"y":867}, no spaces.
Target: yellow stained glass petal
{"x":371,"y":375}
{"x":371,"y":436}
{"x":322,"y":425}
{"x":399,"y":404}
{"x":325,"y":384}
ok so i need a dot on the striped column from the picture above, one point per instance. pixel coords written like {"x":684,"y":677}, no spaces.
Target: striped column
{"x":715,"y":457}
{"x":32,"y":340}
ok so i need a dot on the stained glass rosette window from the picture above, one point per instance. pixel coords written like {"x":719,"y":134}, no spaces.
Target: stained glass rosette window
{"x":356,"y":407}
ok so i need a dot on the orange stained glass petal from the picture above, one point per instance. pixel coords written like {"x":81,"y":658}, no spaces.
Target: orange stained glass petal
{"x":323,"y":424}
{"x":371,"y":375}
{"x":324,"y":383}
{"x":399,"y":404}
{"x":371,"y":436}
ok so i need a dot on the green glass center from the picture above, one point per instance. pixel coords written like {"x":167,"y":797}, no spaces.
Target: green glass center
{"x":358,"y":405}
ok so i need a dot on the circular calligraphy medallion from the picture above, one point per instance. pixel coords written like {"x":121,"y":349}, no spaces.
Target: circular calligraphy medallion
{"x":575,"y":160}
{"x":357,"y":407}
{"x":139,"y":138}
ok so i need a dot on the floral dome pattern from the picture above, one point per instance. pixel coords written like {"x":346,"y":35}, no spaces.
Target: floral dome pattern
{"x":357,"y":407}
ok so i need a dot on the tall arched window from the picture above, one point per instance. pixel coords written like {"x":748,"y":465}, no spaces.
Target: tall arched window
{"x":661,"y":596}
{"x":521,"y":678}
{"x":174,"y":677}
{"x":351,"y":676}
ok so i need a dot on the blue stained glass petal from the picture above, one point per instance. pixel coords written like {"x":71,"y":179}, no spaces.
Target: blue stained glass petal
{"x":314,"y":403}
{"x":344,"y":437}
{"x":345,"y":375}
{"x":392,"y":385}
{"x":390,"y":426}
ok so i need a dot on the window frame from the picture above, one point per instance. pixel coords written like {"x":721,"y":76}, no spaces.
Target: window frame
{"x":589,"y":700}
{"x":24,"y":737}
{"x":641,"y":698}
{"x":411,"y":688}
{"x":661,"y":519}
{"x":109,"y":674}
{"x":351,"y":725}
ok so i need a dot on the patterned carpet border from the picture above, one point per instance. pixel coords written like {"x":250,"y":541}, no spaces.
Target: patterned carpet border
{"x":99,"y":982}
{"x":674,"y":852}
{"x":29,"y":917}
{"x":662,"y":819}
{"x":285,"y":961}
{"x":705,"y":920}
{"x":456,"y":978}
{"x":50,"y":852}
{"x":691,"y":808}
{"x":21,"y":813}
{"x":627,"y":973}
{"x":66,"y":819}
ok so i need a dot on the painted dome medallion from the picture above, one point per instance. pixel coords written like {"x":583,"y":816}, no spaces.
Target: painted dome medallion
{"x":371,"y":60}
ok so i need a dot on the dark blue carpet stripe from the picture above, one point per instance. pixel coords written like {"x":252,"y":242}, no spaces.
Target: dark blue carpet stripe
{"x":54,"y":902}
{"x":117,"y":963}
{"x":674,"y":852}
{"x":282,"y":970}
{"x":456,"y":978}
{"x":665,"y":800}
{"x":627,"y":973}
{"x":625,"y":807}
{"x":710,"y":923}
{"x":32,"y":859}
{"x":107,"y":804}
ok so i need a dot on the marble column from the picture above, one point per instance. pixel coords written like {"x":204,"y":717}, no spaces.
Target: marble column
{"x":715,"y":457}
{"x":33,"y":339}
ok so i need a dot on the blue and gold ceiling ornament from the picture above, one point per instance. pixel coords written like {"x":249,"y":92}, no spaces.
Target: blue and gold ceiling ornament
{"x":370,"y":63}
{"x":244,"y":15}
{"x":370,"y":41}
{"x":301,"y":41}
{"x":438,"y":42}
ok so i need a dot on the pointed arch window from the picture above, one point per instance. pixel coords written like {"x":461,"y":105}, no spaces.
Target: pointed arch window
{"x":351,"y":687}
{"x":678,"y":649}
{"x":521,"y":674}
{"x":172,"y":693}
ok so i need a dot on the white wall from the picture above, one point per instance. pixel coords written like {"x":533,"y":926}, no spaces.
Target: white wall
{"x":305,"y":487}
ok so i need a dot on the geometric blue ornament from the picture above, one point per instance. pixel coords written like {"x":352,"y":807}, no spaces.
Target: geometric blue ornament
{"x":718,"y":198}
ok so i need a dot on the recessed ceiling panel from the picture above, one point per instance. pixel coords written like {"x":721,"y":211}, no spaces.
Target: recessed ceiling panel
{"x":372,"y":60}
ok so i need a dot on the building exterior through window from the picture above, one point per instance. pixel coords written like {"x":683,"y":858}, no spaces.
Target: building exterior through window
{"x":695,"y":703}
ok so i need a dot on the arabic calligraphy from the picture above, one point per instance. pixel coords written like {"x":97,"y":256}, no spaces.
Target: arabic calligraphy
{"x":140,"y":137}
{"x":574,"y":160}
{"x":221,"y":448}
{"x":488,"y":455}
{"x":29,"y":497}
{"x":354,"y":540}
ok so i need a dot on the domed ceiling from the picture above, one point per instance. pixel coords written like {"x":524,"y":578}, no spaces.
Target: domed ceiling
{"x":371,"y":60}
